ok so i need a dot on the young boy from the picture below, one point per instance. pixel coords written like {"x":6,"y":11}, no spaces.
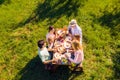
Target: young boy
{"x":44,"y":54}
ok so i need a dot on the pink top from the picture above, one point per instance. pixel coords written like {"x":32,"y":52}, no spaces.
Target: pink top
{"x":79,"y":56}
{"x":50,"y":36}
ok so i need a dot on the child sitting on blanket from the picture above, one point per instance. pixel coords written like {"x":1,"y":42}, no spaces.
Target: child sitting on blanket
{"x":50,"y":37}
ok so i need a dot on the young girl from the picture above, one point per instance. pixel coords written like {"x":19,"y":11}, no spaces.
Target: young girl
{"x":78,"y":54}
{"x":50,"y":37}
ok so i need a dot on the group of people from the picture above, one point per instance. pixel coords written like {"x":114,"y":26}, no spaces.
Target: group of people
{"x":63,"y":46}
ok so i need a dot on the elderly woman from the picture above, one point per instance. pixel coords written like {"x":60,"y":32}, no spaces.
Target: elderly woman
{"x":74,"y":29}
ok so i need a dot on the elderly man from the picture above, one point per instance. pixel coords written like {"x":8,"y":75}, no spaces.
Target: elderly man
{"x":74,"y":29}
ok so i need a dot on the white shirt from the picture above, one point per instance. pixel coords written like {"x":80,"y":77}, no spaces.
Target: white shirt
{"x":44,"y":54}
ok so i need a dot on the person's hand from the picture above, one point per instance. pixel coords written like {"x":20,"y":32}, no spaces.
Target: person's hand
{"x":66,"y":56}
{"x":54,"y":60}
{"x":71,"y":51}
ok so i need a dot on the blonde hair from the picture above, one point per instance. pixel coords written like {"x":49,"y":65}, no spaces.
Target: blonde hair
{"x":76,"y":45}
{"x":77,"y":37}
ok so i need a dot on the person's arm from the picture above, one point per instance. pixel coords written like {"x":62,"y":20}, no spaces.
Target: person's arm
{"x":48,"y":61}
{"x":47,"y":37}
{"x":80,"y":31}
{"x":77,"y":58}
{"x":52,"y":49}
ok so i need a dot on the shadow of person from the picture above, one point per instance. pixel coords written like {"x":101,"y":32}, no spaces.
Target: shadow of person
{"x":64,"y":73}
{"x":34,"y":70}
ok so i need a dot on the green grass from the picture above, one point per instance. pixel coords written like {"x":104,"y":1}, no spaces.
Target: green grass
{"x":24,"y":22}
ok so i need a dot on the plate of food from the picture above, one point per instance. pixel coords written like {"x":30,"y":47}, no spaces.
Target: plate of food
{"x":57,"y":43}
{"x":60,"y":48}
{"x":67,"y":44}
{"x":57,"y":55}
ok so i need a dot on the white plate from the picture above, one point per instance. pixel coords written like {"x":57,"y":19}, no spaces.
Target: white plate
{"x":67,"y":44}
{"x":68,"y":38}
{"x":69,"y":54}
{"x":57,"y":56}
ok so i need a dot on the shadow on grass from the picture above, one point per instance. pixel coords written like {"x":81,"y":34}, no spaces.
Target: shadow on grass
{"x":4,"y":1}
{"x":113,"y":22}
{"x":116,"y":61}
{"x":110,"y":19}
{"x":53,"y":10}
{"x":34,"y":70}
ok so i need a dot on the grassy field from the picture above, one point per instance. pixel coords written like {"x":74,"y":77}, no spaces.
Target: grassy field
{"x":24,"y":22}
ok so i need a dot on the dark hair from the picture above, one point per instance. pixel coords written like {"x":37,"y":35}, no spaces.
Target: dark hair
{"x":70,"y":31}
{"x":50,"y":28}
{"x":40,"y":43}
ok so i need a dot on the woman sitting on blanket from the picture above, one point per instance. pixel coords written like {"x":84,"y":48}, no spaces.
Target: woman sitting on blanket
{"x":78,"y":54}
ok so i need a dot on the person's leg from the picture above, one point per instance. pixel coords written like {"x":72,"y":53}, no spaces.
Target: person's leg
{"x":80,"y":65}
{"x":46,"y":68}
{"x":54,"y":67}
{"x":79,"y":68}
{"x":75,"y":67}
